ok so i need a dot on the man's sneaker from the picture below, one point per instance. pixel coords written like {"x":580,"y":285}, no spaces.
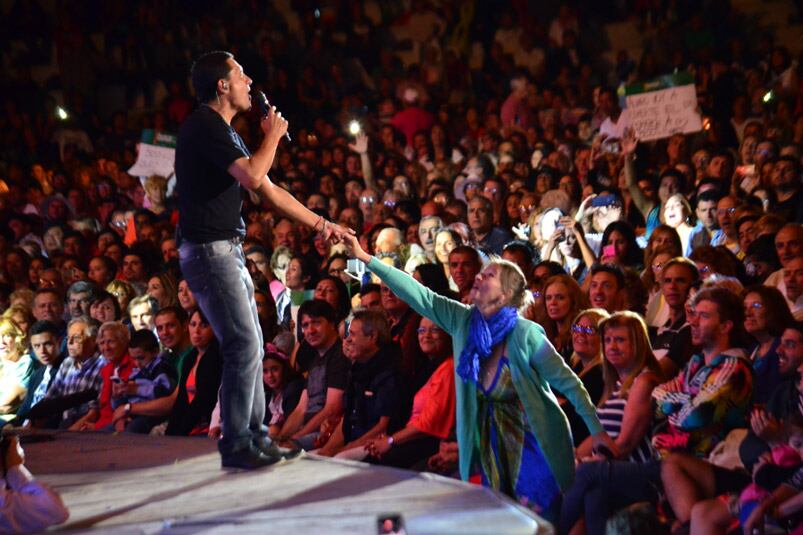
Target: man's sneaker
{"x":250,"y":458}
{"x":271,"y":449}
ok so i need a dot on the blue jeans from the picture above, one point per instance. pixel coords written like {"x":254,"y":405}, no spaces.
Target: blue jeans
{"x":219,"y":280}
{"x":601,"y":488}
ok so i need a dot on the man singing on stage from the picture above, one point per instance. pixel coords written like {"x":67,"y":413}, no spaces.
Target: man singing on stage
{"x":212,"y":162}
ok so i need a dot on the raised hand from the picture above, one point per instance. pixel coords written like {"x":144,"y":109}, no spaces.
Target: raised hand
{"x":336,"y":233}
{"x":629,"y":141}
{"x":355,"y":249}
{"x":360,"y":145}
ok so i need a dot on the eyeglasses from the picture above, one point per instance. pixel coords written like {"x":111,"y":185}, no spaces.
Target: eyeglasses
{"x":431,"y":330}
{"x":726,"y":211}
{"x":537,"y":294}
{"x":704,"y":269}
{"x":490,"y":190}
{"x":584,"y":329}
{"x":657,"y":266}
{"x":526,"y":209}
{"x":755,"y":305}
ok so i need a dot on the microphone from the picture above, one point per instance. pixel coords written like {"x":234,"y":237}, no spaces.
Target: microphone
{"x":264,"y":105}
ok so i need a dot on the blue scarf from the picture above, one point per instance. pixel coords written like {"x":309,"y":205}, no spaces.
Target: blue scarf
{"x":482,"y":337}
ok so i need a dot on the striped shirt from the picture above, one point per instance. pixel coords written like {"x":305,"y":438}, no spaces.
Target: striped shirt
{"x":611,"y":414}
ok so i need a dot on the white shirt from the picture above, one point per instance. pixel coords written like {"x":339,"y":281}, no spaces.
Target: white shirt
{"x":615,"y":130}
{"x":28,"y":506}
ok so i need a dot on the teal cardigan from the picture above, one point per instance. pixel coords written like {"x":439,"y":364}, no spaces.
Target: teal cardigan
{"x":534,"y":366}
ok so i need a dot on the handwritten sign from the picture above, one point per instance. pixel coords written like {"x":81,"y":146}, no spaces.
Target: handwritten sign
{"x":153,"y":160}
{"x":659,"y":109}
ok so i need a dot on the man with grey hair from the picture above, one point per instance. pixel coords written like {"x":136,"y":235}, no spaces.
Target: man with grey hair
{"x":78,"y":380}
{"x":373,"y":393}
{"x":79,"y":295}
{"x":427,"y":230}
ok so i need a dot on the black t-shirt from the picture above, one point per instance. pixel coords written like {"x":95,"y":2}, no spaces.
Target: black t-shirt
{"x":209,"y":198}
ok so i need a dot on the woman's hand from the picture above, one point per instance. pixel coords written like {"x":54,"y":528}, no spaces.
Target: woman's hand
{"x":355,"y":249}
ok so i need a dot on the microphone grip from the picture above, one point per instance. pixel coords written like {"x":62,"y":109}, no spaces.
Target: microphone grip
{"x":264,"y":105}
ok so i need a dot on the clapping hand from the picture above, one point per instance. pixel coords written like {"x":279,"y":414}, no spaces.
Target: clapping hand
{"x":629,"y":141}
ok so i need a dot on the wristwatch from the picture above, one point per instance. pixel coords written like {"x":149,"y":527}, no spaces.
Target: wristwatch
{"x":127,"y":408}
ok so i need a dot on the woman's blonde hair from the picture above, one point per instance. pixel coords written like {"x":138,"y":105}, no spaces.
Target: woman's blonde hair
{"x":637,"y":331}
{"x":7,"y":326}
{"x":512,"y":279}
{"x":596,"y":315}
{"x":579,"y":302}
{"x":120,"y":331}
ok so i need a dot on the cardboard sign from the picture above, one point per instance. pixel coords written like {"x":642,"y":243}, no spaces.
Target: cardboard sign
{"x":153,"y":160}
{"x":662,"y":107}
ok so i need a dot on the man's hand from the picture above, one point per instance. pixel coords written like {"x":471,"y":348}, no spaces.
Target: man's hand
{"x":629,"y":141}
{"x":765,"y":426}
{"x":360,"y":145}
{"x":119,"y":414}
{"x":336,"y":233}
{"x":274,"y":125}
{"x":378,"y":447}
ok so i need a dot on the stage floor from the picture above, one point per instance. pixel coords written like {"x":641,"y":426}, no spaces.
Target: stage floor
{"x":148,"y":484}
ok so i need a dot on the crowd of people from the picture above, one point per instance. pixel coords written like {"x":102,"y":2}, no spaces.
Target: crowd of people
{"x":666,"y":276}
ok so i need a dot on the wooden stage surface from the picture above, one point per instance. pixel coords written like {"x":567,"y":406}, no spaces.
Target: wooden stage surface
{"x":149,"y":484}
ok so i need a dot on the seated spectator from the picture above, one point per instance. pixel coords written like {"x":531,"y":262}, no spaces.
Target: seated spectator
{"x":322,"y":398}
{"x":78,"y":380}
{"x":433,"y":412}
{"x":464,"y":264}
{"x":631,"y":373}
{"x":586,"y":362}
{"x":104,"y":307}
{"x":16,"y":369}
{"x":563,"y":300}
{"x":607,"y":282}
{"x":657,"y":310}
{"x":766,"y":316}
{"x":371,"y":402}
{"x":152,"y":378}
{"x":46,"y":346}
{"x":79,"y":296}
{"x":671,"y":342}
{"x":712,"y":394}
{"x":793,"y":280}
{"x":141,"y":312}
{"x":113,"y":341}
{"x":484,"y":233}
{"x":174,"y":336}
{"x":190,"y":405}
{"x":283,"y":388}
{"x":701,"y":481}
{"x":124,"y":293}
{"x":164,"y":289}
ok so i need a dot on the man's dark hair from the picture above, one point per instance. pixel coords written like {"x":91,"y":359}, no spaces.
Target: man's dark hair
{"x":206,"y":71}
{"x":370,"y":287}
{"x":712,"y":194}
{"x":523,"y":247}
{"x":257,"y":249}
{"x":101,"y":296}
{"x":144,"y":339}
{"x":468,"y":250}
{"x":793,"y":161}
{"x":44,"y":326}
{"x":613,"y":269}
{"x":317,"y":308}
{"x":180,"y":313}
{"x":729,"y":306}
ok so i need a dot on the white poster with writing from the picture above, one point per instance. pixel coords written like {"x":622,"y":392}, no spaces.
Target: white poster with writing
{"x":662,"y":112}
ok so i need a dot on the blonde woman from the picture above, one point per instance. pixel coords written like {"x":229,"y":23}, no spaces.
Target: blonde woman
{"x":509,"y":423}
{"x":16,"y":367}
